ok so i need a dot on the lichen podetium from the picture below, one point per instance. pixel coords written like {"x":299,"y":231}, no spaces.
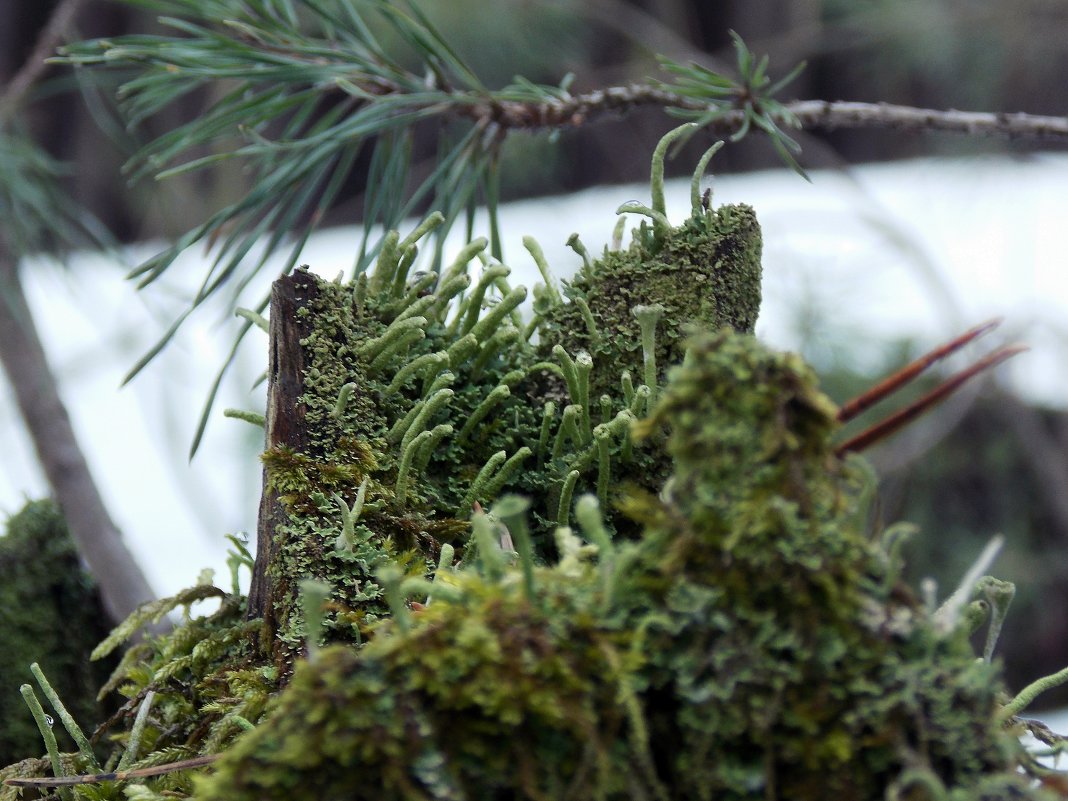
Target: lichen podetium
{"x":672,"y":595}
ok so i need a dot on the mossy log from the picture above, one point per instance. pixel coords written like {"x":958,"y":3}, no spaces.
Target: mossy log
{"x":667,"y":590}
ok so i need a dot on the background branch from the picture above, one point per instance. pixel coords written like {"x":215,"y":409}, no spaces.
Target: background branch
{"x":122,"y":584}
{"x":827,"y":115}
{"x":59,"y":26}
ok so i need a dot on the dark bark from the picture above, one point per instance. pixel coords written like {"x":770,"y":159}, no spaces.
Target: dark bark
{"x":285,"y":427}
{"x":122,"y":584}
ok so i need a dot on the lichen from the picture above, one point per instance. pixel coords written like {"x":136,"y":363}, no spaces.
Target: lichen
{"x":435,"y":392}
{"x":707,"y":272}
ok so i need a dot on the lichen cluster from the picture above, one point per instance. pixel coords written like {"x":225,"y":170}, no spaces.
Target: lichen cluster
{"x":427,"y":393}
{"x":665,"y":586}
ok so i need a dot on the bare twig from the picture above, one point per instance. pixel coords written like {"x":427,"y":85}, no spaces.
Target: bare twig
{"x":827,"y":115}
{"x":838,"y":114}
{"x":59,"y":24}
{"x":118,"y":776}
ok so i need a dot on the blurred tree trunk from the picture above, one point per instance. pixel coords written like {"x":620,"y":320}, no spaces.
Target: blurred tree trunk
{"x":122,"y":584}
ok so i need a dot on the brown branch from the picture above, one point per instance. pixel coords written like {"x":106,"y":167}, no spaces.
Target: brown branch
{"x":59,"y":24}
{"x":118,"y":776}
{"x":1017,"y":125}
{"x":576,"y":110}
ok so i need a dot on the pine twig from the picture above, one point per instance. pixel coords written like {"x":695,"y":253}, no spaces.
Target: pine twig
{"x":578,"y":110}
{"x":59,"y":24}
{"x":115,"y":776}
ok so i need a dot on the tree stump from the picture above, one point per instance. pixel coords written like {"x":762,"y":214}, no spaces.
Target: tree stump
{"x":285,"y":427}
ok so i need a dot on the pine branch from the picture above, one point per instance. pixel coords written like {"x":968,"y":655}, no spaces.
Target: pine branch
{"x":1018,"y":125}
{"x":307,"y":86}
{"x":809,"y":114}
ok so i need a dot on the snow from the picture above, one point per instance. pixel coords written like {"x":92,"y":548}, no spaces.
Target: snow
{"x":922,"y":249}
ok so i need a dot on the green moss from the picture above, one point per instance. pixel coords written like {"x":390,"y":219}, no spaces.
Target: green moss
{"x":749,"y":645}
{"x":50,"y":613}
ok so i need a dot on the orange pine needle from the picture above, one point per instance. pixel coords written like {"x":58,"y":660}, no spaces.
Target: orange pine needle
{"x":896,"y":421}
{"x":890,"y":385}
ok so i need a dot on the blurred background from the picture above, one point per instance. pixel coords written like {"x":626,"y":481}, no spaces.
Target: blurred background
{"x":899,"y":242}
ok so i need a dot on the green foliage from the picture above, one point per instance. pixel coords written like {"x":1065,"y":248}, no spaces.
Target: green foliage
{"x":753,"y":93}
{"x":297,"y":110}
{"x":37,"y":214}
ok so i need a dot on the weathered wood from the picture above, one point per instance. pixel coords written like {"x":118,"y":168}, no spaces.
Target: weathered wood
{"x":284,"y":426}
